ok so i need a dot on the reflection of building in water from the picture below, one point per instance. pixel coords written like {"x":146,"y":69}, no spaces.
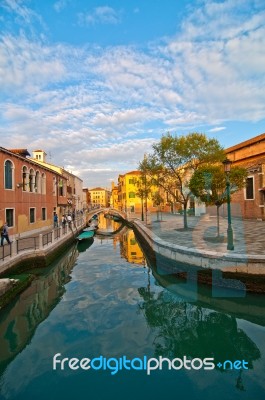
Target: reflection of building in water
{"x":130,"y":249}
{"x":106,"y":223}
{"x":19,"y":321}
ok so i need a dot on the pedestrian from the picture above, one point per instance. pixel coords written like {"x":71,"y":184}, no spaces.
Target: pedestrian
{"x":4,"y":234}
{"x":69,"y":220}
{"x":55,"y":220}
{"x":63,"y":221}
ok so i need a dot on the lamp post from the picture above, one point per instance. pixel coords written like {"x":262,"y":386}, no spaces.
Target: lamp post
{"x":227,"y":168}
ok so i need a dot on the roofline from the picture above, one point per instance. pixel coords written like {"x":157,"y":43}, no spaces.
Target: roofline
{"x":248,"y":142}
{"x":56,"y":166}
{"x":29,"y":160}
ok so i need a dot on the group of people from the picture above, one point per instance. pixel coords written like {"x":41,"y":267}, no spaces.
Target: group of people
{"x":66,"y":219}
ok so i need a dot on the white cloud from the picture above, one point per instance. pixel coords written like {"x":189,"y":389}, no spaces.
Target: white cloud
{"x":100,"y":15}
{"x":60,"y":5}
{"x":217,"y":129}
{"x":17,"y":7}
{"x":25,"y":64}
{"x":112,"y":103}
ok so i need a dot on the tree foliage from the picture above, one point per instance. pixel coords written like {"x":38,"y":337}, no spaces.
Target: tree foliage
{"x":174,"y":160}
{"x":209,"y":184}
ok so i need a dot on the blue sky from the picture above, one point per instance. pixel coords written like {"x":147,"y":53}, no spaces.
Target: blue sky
{"x":96,"y":83}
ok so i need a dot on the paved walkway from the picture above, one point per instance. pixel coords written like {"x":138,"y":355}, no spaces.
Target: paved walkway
{"x":249,"y":235}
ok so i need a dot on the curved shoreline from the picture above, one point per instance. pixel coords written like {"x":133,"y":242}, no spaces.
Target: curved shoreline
{"x":235,"y":271}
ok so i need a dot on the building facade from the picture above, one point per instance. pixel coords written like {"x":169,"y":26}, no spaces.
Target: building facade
{"x":72,"y":187}
{"x":129,"y":198}
{"x":28,"y":192}
{"x":114,"y":199}
{"x":99,"y":197}
{"x":250,"y":154}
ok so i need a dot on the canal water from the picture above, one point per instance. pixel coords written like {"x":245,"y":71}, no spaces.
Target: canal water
{"x":103,"y":301}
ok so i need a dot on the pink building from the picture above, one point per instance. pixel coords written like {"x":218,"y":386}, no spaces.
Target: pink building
{"x":30,"y":194}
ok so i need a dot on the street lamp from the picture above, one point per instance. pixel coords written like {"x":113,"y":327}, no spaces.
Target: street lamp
{"x":227,"y":168}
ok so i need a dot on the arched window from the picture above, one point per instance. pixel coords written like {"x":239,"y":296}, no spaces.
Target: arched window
{"x":25,"y":179}
{"x":38,"y":182}
{"x":8,"y":174}
{"x":43,"y":183}
{"x":54,"y":186}
{"x":31,"y":180}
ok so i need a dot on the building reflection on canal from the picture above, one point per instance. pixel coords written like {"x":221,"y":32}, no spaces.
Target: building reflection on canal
{"x":144,"y":313}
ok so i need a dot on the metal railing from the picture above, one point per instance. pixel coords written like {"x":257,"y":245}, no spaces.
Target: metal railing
{"x":6,"y":251}
{"x":27,"y":243}
{"x":39,"y":241}
{"x":46,"y":239}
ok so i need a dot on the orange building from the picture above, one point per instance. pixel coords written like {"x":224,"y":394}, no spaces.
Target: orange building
{"x":250,"y":154}
{"x":30,"y":194}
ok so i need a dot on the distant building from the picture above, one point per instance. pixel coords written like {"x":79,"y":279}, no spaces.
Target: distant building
{"x":100,"y":197}
{"x":250,"y":154}
{"x":129,"y":199}
{"x":86,"y":199}
{"x":114,"y":199}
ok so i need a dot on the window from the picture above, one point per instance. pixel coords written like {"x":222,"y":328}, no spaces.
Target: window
{"x":43,"y":183}
{"x":131,"y":181}
{"x":24,"y":178}
{"x":32,"y":215}
{"x":8,"y":175}
{"x":131,"y":195}
{"x":10,"y":217}
{"x":31,"y":180}
{"x":250,"y":188}
{"x":43,"y":214}
{"x":38,"y":182}
{"x":60,"y":187}
{"x":54,"y":184}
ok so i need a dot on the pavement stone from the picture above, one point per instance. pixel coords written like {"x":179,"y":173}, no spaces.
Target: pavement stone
{"x":249,"y":235}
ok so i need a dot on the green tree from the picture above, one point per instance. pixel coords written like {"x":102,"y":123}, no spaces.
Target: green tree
{"x":174,"y":160}
{"x":144,"y":188}
{"x":158,"y":200}
{"x":209,"y":184}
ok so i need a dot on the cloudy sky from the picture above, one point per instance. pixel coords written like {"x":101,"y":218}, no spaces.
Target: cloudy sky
{"x":96,"y":83}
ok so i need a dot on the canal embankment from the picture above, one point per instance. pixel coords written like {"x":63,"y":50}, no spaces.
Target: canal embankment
{"x":206,"y":255}
{"x":33,"y":250}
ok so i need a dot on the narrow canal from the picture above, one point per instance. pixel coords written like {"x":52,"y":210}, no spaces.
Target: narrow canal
{"x":103,"y":301}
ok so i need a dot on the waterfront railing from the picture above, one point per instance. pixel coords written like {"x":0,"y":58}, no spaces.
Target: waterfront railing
{"x":40,"y":240}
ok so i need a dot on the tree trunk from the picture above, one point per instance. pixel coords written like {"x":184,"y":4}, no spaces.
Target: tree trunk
{"x":218,"y":221}
{"x":185,"y":220}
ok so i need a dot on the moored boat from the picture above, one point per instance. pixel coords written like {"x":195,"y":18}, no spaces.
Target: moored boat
{"x":86,"y":235}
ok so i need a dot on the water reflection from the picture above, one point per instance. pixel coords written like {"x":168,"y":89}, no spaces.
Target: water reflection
{"x":83,"y":245}
{"x":130,"y":249}
{"x":19,"y":320}
{"x":184,"y":328}
{"x":116,"y":307}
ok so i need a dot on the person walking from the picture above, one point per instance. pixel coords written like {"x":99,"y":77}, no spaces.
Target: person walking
{"x":55,"y":221}
{"x":4,"y":234}
{"x":63,"y":221}
{"x":69,"y":220}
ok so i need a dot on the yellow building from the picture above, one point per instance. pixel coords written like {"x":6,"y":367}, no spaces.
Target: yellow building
{"x":129,"y":198}
{"x":114,"y":199}
{"x":130,"y":249}
{"x":99,"y":197}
